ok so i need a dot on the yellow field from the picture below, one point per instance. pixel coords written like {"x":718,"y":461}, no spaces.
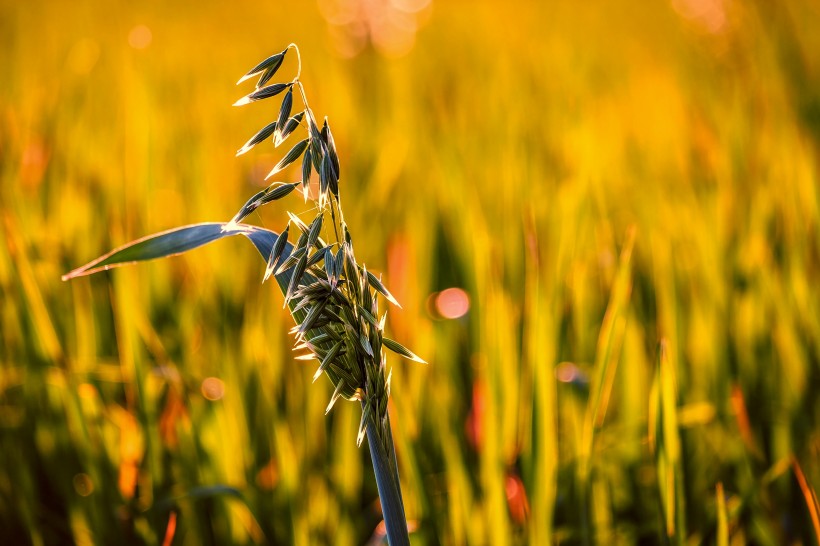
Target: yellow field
{"x":627,"y":192}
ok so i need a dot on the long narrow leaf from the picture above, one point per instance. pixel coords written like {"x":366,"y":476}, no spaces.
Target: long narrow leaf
{"x":176,"y":241}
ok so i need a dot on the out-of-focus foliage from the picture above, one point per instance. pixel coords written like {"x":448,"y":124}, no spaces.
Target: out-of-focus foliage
{"x":601,"y":179}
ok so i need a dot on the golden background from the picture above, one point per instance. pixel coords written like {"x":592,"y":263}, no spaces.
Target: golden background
{"x":597,"y":179}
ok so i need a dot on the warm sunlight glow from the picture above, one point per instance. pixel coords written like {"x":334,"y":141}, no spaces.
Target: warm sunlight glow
{"x":710,"y":14}
{"x":390,"y":26}
{"x":592,"y":245}
{"x":213,"y":388}
{"x":140,"y":37}
{"x":452,"y":303}
{"x":567,"y":372}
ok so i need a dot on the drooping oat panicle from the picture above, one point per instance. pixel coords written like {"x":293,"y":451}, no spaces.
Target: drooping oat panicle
{"x":333,"y":299}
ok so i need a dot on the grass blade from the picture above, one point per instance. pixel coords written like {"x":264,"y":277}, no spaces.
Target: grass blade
{"x":176,"y":241}
{"x":809,"y":495}
{"x":722,"y":518}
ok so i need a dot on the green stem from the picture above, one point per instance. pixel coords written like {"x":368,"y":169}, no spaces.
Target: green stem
{"x":387,"y":480}
{"x":379,"y":437}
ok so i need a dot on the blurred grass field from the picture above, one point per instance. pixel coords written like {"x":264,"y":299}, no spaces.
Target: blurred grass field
{"x":627,"y":193}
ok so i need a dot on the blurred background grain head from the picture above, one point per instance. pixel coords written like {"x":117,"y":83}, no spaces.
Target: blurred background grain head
{"x":550,"y":189}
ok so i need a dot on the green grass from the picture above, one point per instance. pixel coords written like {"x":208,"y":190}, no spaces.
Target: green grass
{"x":598,"y":179}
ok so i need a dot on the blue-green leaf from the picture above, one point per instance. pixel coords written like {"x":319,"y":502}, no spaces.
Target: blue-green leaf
{"x":177,"y":241}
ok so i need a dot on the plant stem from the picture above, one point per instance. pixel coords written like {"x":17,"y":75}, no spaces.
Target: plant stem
{"x":387,"y":480}
{"x":379,"y":434}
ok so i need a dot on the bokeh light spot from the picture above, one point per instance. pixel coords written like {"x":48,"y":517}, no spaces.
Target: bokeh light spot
{"x":452,"y":303}
{"x":710,"y":14}
{"x":213,"y":388}
{"x":83,"y":484}
{"x":566,"y":372}
{"x":410,"y":6}
{"x":390,"y":26}
{"x":268,"y":476}
{"x":140,"y":37}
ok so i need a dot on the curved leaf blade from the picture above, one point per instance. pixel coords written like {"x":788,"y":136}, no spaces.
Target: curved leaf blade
{"x":176,"y":241}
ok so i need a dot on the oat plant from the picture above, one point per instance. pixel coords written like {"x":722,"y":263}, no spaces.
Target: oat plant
{"x":333,"y":299}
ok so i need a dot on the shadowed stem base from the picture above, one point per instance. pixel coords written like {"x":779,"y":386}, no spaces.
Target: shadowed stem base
{"x":387,"y":480}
